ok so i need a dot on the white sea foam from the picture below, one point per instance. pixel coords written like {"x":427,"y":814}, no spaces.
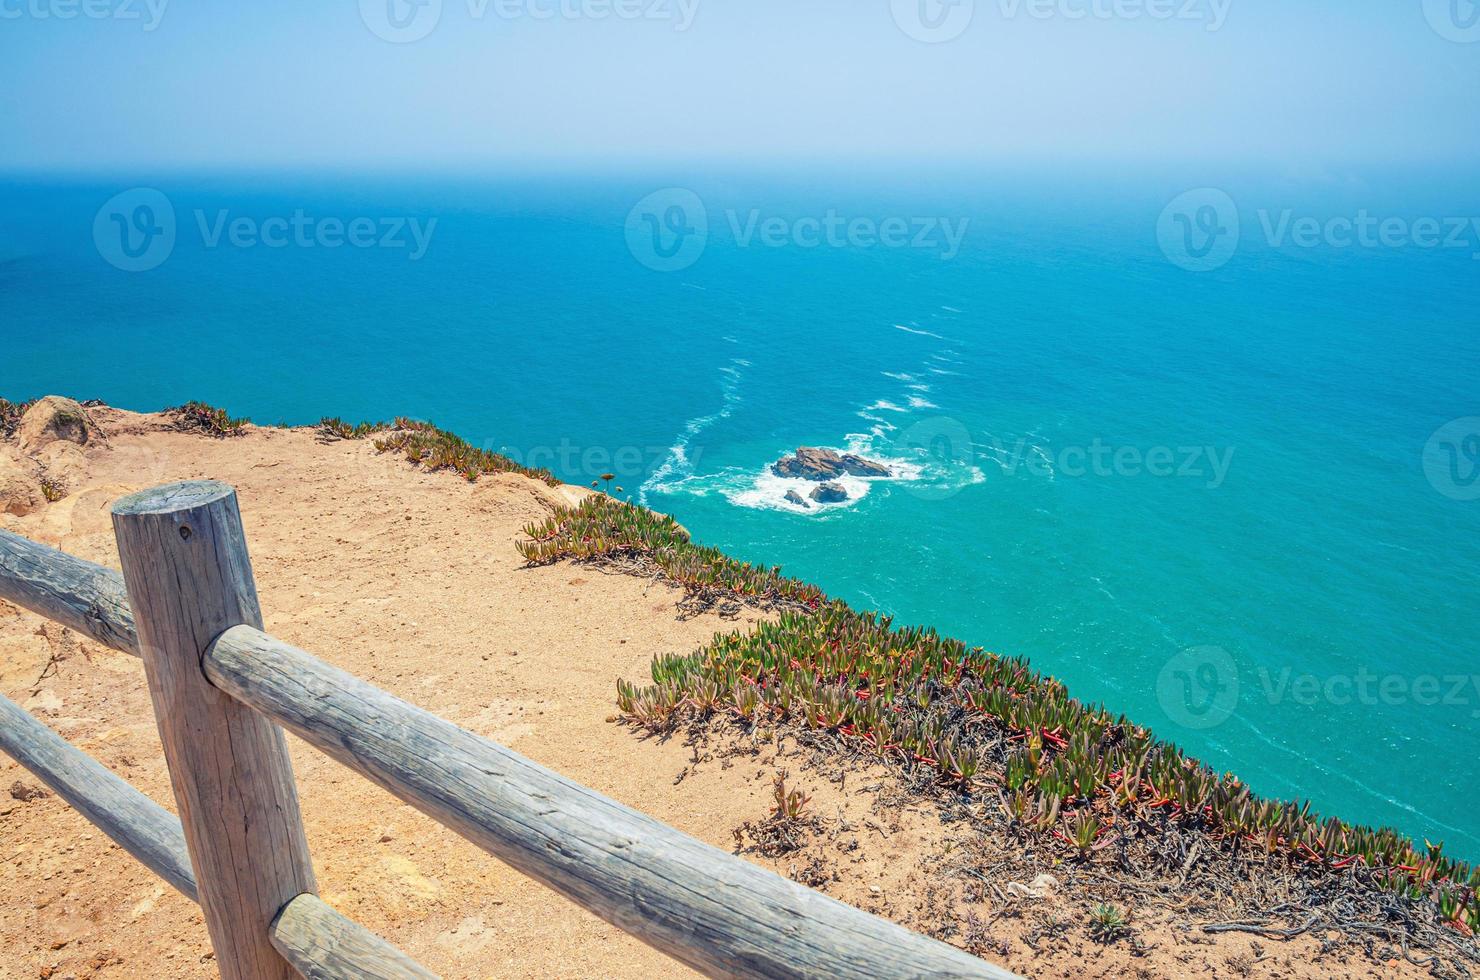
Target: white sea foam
{"x":917,"y":402}
{"x":900,"y":376}
{"x":767,"y":491}
{"x":677,"y":468}
{"x":883,"y":405}
{"x":922,"y":333}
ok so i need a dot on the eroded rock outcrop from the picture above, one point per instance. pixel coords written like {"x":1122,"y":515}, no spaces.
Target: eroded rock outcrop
{"x":822,"y":465}
{"x":55,"y":419}
{"x":20,"y":490}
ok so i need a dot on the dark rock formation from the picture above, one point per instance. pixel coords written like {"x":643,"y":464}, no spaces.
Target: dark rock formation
{"x":792,"y":497}
{"x":821,"y":465}
{"x":830,"y":493}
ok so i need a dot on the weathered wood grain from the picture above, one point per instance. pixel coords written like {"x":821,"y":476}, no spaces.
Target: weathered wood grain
{"x":189,"y":578}
{"x":709,"y":909}
{"x":82,"y":596}
{"x":324,"y":945}
{"x":135,"y":823}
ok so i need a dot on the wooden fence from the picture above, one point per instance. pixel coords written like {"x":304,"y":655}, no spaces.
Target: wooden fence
{"x":223,"y":691}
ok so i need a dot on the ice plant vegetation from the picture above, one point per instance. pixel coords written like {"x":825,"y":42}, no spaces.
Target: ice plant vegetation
{"x":10,"y":415}
{"x":200,"y":417}
{"x":431,"y":448}
{"x":601,"y":527}
{"x":1107,"y":923}
{"x":977,"y":724}
{"x":338,"y":428}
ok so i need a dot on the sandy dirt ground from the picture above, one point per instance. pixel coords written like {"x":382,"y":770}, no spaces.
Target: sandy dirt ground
{"x":411,"y":581}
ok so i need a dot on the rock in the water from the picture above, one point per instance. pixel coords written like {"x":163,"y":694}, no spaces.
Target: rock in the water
{"x":20,"y":492}
{"x":830,"y":493}
{"x":792,"y":497}
{"x":55,"y":419}
{"x":811,"y":463}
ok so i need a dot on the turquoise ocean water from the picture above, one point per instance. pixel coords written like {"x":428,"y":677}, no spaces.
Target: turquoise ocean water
{"x":1215,"y":501}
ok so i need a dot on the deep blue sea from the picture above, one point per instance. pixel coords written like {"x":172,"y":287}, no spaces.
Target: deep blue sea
{"x":1232,"y":492}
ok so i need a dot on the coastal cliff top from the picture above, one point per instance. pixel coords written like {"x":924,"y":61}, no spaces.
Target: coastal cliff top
{"x":413,"y":580}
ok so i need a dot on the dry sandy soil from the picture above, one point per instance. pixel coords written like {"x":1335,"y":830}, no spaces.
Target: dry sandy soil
{"x":411,"y":580}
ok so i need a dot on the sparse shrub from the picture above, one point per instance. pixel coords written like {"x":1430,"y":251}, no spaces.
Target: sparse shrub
{"x":1107,"y":923}
{"x":788,"y":826}
{"x":10,"y":416}
{"x":603,"y":527}
{"x":52,"y":490}
{"x":340,"y":429}
{"x":434,"y":449}
{"x":203,"y":418}
{"x":789,"y":803}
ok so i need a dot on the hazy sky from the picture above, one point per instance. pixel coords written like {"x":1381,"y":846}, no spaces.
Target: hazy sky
{"x":200,"y":84}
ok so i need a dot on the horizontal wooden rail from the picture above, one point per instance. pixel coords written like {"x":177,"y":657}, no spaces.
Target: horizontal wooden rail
{"x":135,"y":822}
{"x":81,"y":596}
{"x":324,"y":945}
{"x":702,"y":906}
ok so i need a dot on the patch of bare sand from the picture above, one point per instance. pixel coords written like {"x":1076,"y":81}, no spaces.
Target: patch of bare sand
{"x":411,"y":581}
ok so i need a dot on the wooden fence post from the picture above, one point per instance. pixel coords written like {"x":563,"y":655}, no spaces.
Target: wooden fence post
{"x":189,"y":580}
